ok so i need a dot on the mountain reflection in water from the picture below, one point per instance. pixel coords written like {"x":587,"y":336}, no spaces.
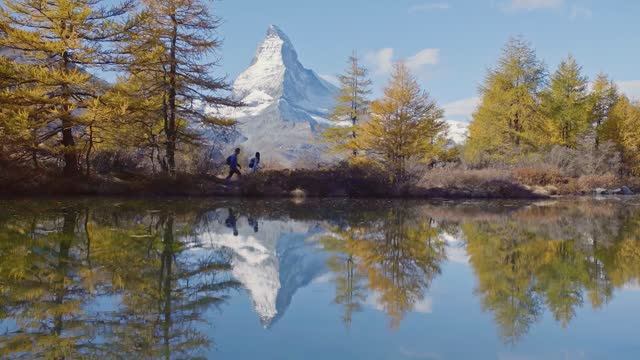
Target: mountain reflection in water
{"x":152,"y":279}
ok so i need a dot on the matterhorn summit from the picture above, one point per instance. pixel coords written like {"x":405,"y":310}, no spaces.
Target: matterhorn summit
{"x":287,"y":105}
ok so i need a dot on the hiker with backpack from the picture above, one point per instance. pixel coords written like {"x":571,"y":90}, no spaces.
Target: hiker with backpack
{"x":234,"y":166}
{"x":254,"y":163}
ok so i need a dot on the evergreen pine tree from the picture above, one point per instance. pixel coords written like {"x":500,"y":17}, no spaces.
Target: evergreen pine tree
{"x":352,"y":105}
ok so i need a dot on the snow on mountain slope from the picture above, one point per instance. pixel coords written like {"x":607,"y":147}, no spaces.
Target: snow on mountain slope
{"x":287,"y":105}
{"x":272,"y":259}
{"x":458,"y":131}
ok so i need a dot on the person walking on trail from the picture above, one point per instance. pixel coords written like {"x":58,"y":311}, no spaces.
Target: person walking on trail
{"x":234,"y":166}
{"x":254,"y":163}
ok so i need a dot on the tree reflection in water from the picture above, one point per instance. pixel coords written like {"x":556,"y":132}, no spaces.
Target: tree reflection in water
{"x":102,"y":278}
{"x":55,"y":268}
{"x":394,"y":255}
{"x":527,"y":258}
{"x":44,"y":284}
{"x":554,"y":257}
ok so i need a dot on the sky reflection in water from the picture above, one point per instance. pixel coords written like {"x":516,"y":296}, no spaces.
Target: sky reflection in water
{"x":321,"y":279}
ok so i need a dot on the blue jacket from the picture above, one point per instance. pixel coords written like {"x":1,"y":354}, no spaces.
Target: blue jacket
{"x":233,"y":161}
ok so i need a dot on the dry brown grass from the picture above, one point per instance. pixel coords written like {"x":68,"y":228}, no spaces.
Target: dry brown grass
{"x":459,"y":178}
{"x":633,"y":183}
{"x":539,"y":176}
{"x":588,"y":183}
{"x":548,"y":180}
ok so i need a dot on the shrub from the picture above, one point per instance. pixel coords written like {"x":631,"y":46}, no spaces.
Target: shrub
{"x":632,"y":182}
{"x":340,"y":181}
{"x":588,"y":183}
{"x":541,"y":176}
{"x":458,"y":178}
{"x":205,"y":162}
{"x":118,"y":161}
{"x":586,"y":159}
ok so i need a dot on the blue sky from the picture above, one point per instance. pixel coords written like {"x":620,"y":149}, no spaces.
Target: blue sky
{"x":448,"y":43}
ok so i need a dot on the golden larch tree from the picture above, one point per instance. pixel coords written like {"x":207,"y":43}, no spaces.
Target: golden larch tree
{"x":58,"y":43}
{"x":406,"y":127}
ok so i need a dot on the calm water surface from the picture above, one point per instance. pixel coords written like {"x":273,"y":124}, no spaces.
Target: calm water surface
{"x":319,"y":279}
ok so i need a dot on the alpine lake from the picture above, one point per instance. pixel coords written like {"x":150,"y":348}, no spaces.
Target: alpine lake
{"x":319,"y":279}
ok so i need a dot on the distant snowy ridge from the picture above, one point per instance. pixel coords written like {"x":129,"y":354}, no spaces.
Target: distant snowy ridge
{"x":458,"y":131}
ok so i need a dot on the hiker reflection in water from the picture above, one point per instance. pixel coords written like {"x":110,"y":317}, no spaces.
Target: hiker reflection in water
{"x":253,"y":223}
{"x":232,"y":222}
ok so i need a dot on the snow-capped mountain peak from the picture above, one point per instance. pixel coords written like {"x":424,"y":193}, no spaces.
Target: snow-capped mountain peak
{"x":275,"y":31}
{"x":276,"y":73}
{"x":265,"y":76}
{"x":287,"y":105}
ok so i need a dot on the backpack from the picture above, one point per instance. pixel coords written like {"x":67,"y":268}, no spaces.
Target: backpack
{"x":229,"y":160}
{"x":252,"y":163}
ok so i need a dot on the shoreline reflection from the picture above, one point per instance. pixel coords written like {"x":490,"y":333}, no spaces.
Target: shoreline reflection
{"x":98,"y":278}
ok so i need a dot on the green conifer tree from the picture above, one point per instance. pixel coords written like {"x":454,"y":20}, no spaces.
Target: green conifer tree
{"x":566,"y":104}
{"x":622,"y":129}
{"x":352,"y":106}
{"x":603,"y":98}
{"x":508,"y":119}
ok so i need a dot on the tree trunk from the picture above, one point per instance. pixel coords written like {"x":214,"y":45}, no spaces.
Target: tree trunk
{"x":354,"y":121}
{"x":68,"y":142}
{"x":34,"y":150}
{"x":171,"y":126}
{"x":34,"y":158}
{"x":166,"y":275}
{"x":70,"y":155}
{"x":68,"y":234}
{"x":88,"y":154}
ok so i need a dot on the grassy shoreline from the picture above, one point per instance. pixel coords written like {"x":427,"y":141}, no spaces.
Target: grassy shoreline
{"x":330,"y":183}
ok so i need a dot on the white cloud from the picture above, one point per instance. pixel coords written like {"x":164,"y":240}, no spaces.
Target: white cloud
{"x":323,"y":279}
{"x":381,"y":61}
{"x":573,"y":10}
{"x":462,"y":108}
{"x":580,"y":12}
{"x":631,"y":88}
{"x":632,"y":286}
{"x":423,"y":58}
{"x":424,"y":306}
{"x":456,"y":251}
{"x":530,"y":5}
{"x":373,"y":301}
{"x":427,"y":7}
